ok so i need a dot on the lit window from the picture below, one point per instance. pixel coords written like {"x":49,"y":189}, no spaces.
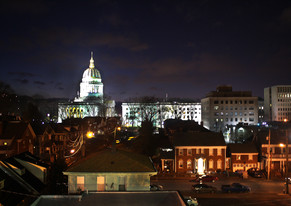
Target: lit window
{"x":180,"y":151}
{"x":210,"y":164}
{"x":202,"y":150}
{"x":219,"y":164}
{"x":250,"y":157}
{"x":219,"y":152}
{"x":80,"y":182}
{"x":189,"y":151}
{"x":180,"y":163}
{"x":210,"y":152}
{"x":189,"y":164}
{"x":238,"y":157}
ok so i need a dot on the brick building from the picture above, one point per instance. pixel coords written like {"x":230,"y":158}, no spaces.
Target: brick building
{"x":277,"y":148}
{"x":243,"y":157}
{"x":199,"y":152}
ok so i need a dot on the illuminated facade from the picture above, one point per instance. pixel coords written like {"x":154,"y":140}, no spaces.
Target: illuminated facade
{"x":134,"y":113}
{"x":89,"y":102}
{"x":277,"y":103}
{"x":224,"y":108}
{"x":199,"y":152}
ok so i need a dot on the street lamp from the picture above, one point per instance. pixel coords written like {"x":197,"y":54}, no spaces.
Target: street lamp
{"x":90,"y":135}
{"x":114,"y":140}
{"x":287,"y":154}
{"x":269,"y":153}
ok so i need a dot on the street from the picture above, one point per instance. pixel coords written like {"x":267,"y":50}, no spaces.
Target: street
{"x":263,"y":192}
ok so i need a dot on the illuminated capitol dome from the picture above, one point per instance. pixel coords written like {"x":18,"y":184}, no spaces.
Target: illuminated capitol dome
{"x":89,"y":101}
{"x":91,"y":85}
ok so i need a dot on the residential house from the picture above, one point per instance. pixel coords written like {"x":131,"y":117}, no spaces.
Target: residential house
{"x":199,"y":152}
{"x":16,"y":137}
{"x":111,"y":170}
{"x":273,"y":149}
{"x":243,"y":156}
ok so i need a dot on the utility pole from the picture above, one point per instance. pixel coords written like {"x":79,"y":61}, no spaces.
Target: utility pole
{"x":269,"y":154}
{"x":287,"y":154}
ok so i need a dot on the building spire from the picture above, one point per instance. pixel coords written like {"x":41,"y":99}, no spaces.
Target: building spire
{"x":91,"y":66}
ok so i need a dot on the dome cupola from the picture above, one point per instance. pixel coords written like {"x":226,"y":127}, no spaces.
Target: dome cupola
{"x":91,"y":74}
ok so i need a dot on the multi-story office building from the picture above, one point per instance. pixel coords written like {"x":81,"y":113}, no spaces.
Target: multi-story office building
{"x":261,"y":110}
{"x":277,"y":103}
{"x":134,"y":113}
{"x":222,"y":109}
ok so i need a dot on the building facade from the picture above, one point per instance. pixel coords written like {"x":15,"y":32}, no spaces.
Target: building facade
{"x":224,"y":108}
{"x":274,"y":150}
{"x":89,"y":102}
{"x":16,"y":137}
{"x":243,"y":157}
{"x":277,"y":103}
{"x":111,"y":170}
{"x":134,"y":113}
{"x":199,"y":152}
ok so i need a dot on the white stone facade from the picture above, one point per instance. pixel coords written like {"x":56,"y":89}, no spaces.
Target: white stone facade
{"x":90,"y":101}
{"x":134,"y":113}
{"x":277,"y":103}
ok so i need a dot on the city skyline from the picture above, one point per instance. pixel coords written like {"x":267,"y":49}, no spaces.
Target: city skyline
{"x":183,"y":49}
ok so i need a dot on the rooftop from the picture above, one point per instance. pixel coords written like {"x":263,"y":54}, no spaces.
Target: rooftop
{"x":194,"y":138}
{"x":114,"y":198}
{"x":110,"y":161}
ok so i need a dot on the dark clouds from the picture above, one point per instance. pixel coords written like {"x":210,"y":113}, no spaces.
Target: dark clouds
{"x":183,"y":48}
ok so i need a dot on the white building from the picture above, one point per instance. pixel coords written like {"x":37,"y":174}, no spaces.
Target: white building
{"x":134,"y":113}
{"x":277,"y":103}
{"x":223,"y":108}
{"x":90,"y":102}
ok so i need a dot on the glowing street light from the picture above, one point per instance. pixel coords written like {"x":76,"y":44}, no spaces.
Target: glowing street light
{"x":90,"y":135}
{"x":72,"y":151}
{"x":281,"y":145}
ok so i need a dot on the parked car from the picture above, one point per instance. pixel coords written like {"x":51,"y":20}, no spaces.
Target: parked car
{"x":156,"y":187}
{"x":254,"y":172}
{"x":206,"y":178}
{"x":235,"y":187}
{"x":289,"y":180}
{"x":203,"y":188}
{"x":190,"y":201}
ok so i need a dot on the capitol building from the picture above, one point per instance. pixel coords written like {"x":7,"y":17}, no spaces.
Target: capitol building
{"x":90,"y":100}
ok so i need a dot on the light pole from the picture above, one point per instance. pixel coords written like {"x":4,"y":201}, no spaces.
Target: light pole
{"x":114,"y":140}
{"x":287,"y":154}
{"x":269,"y":154}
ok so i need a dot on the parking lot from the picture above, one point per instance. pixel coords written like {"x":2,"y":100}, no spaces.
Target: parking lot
{"x":263,"y":192}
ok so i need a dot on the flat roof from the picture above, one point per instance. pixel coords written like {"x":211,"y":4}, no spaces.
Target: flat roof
{"x":153,"y":198}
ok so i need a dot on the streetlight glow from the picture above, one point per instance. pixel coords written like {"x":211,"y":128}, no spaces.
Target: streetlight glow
{"x":72,"y":151}
{"x":281,"y":145}
{"x":90,"y":135}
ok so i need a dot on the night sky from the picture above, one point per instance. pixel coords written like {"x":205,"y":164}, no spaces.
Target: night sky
{"x":183,"y":48}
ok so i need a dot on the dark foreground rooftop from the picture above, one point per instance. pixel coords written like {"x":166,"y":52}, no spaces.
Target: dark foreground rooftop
{"x":113,"y":198}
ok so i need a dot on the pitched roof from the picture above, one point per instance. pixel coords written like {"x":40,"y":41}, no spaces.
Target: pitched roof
{"x":13,"y":129}
{"x":119,"y":161}
{"x":243,"y":148}
{"x":198,"y":139}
